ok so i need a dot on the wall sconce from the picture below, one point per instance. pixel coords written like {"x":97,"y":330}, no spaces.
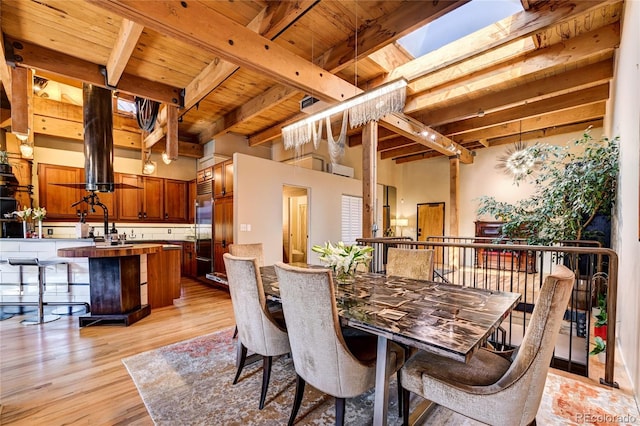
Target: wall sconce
{"x":148,"y":167}
{"x":165,"y":158}
{"x":26,"y":149}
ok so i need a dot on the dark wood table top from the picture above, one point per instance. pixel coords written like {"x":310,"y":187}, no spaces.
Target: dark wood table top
{"x":450,"y":320}
{"x":110,"y":251}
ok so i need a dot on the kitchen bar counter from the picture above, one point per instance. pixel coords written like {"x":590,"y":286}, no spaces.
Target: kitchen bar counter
{"x":114,"y":278}
{"x":110,"y":251}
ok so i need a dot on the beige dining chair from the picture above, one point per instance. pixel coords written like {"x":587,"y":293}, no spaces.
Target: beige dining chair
{"x":489,"y":388}
{"x":249,"y":250}
{"x":258,"y":329}
{"x":341,"y":366}
{"x":410,"y":263}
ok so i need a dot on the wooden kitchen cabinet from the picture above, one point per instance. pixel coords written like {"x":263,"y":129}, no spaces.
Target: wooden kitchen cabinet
{"x":222,"y":231}
{"x":189,"y":264}
{"x":145,"y":204}
{"x":58,"y":199}
{"x":193,"y":193}
{"x":223,"y":179}
{"x":176,"y":201}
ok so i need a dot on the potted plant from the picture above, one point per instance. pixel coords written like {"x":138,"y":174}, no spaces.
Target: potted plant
{"x":5,"y":167}
{"x":600,"y":326}
{"x":599,"y":349}
{"x":573,"y":184}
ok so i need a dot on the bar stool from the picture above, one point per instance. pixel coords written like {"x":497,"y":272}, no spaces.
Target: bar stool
{"x":42,"y":266}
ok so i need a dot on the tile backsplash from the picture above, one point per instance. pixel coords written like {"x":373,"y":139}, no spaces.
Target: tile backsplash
{"x":134,"y":231}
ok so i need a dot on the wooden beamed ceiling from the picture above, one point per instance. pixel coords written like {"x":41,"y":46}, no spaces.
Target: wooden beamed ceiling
{"x":242,"y":67}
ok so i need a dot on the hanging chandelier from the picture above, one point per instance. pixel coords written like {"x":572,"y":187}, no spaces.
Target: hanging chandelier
{"x":359,"y":110}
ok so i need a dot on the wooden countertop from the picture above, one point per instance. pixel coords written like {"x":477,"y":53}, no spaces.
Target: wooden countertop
{"x":110,"y":251}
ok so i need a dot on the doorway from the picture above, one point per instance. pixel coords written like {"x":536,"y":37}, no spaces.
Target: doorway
{"x":295,"y":224}
{"x":431,"y":224}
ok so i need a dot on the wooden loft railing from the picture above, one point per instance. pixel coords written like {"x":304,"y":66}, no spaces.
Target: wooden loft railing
{"x":519,"y":267}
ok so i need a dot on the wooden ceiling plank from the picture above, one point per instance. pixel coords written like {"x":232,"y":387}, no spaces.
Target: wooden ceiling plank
{"x":578,"y":114}
{"x":125,"y":44}
{"x":588,"y":44}
{"x":397,"y":142}
{"x":403,"y":151}
{"x":546,"y":132}
{"x":555,"y":104}
{"x":412,"y":15}
{"x":47,"y":60}
{"x":269,"y":23}
{"x":577,"y":78}
{"x":390,"y":57}
{"x":519,"y":25}
{"x":203,"y":27}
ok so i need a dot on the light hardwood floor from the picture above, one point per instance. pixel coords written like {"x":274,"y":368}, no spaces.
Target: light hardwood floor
{"x":60,"y":374}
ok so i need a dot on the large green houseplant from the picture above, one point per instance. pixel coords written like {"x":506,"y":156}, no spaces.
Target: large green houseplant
{"x":572,"y":185}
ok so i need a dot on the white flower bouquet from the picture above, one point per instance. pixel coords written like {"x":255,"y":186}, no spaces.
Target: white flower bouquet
{"x":23,"y":214}
{"x":343,"y":259}
{"x":39,"y":213}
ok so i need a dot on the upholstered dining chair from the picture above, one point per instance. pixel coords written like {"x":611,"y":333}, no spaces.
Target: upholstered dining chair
{"x":410,"y":263}
{"x":258,"y":330}
{"x":489,"y":388}
{"x":341,"y":366}
{"x":248,"y":250}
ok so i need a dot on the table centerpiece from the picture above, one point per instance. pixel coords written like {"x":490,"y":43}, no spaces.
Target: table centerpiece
{"x":343,"y":259}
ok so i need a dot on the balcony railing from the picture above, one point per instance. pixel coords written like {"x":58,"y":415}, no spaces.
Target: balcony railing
{"x":517,"y":267}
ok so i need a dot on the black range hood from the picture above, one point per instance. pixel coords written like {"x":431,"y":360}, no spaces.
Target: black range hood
{"x":98,"y":138}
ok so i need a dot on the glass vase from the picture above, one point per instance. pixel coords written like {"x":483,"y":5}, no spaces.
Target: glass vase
{"x":40,"y":229}
{"x":24,"y":229}
{"x":346,"y":276}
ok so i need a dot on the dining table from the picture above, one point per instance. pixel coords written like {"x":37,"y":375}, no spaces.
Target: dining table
{"x":446,"y":319}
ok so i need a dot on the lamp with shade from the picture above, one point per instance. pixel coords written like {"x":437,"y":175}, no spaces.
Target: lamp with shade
{"x":400,"y":223}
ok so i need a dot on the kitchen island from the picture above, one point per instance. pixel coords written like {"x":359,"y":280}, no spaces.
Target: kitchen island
{"x":115,"y":284}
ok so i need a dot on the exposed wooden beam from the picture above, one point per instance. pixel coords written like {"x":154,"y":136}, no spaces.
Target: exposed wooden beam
{"x":546,"y":132}
{"x":590,"y":44}
{"x":571,"y":80}
{"x":555,"y":105}
{"x":517,"y":26}
{"x":383,"y":134}
{"x":5,"y":71}
{"x":397,"y":142}
{"x":40,"y":58}
{"x":269,"y":23}
{"x":390,"y":57}
{"x":417,"y":157}
{"x":194,"y":23}
{"x":400,"y":22}
{"x":125,"y":44}
{"x":154,"y":137}
{"x":578,"y":114}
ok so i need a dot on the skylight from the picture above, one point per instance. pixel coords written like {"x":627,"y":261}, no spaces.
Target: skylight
{"x":462,"y":21}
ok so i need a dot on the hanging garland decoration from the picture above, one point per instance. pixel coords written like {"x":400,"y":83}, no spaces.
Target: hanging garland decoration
{"x":146,"y":113}
{"x":336,"y":146}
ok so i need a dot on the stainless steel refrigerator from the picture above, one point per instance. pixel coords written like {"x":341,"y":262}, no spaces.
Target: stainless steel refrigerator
{"x":203,"y":229}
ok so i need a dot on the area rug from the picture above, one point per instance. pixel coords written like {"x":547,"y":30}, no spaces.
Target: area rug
{"x":189,"y":383}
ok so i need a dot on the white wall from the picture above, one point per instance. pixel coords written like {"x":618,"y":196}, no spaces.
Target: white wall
{"x":427,"y":181}
{"x":625,"y":122}
{"x":257,"y":197}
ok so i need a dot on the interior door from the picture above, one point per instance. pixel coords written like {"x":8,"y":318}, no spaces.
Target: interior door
{"x":431,"y":224}
{"x":295,"y":229}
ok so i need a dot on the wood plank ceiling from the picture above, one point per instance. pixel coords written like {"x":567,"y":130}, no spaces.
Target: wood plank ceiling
{"x":244,"y":66}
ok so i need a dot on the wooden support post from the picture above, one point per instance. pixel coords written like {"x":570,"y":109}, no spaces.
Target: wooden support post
{"x":454,"y":203}
{"x":369,"y":174}
{"x":22,"y":103}
{"x":171,"y":144}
